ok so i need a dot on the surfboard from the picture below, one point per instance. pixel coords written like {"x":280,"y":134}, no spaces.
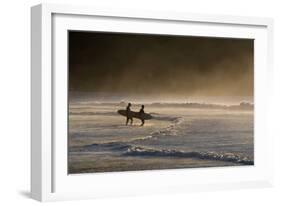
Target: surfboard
{"x":145,"y":116}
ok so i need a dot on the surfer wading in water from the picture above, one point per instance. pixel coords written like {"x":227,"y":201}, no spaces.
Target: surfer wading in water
{"x":141,"y":113}
{"x":129,"y":114}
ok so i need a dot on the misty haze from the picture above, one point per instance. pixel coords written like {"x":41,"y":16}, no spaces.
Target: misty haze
{"x":143,"y":102}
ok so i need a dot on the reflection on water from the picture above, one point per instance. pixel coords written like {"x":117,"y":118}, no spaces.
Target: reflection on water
{"x":176,"y":137}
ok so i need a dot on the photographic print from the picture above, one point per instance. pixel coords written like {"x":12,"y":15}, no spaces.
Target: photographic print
{"x":149,"y":102}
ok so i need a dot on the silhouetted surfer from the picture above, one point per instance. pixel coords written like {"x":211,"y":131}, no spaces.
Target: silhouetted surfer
{"x":129,"y":114}
{"x":141,"y":113}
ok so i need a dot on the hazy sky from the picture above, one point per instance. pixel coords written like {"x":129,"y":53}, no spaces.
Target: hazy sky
{"x":171,"y":66}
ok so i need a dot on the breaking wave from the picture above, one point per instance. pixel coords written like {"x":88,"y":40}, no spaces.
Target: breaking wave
{"x":112,"y":146}
{"x":130,"y":150}
{"x":227,"y":157}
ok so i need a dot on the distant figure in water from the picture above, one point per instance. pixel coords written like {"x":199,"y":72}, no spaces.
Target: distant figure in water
{"x":129,"y":114}
{"x":141,"y":113}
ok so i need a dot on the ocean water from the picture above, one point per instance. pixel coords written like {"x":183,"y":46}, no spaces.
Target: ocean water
{"x":176,"y":137}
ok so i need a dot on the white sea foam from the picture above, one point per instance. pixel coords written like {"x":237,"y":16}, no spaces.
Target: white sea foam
{"x":228,"y":157}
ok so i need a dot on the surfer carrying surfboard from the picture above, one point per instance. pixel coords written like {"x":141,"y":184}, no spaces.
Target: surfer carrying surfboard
{"x":129,"y":114}
{"x":141,"y":113}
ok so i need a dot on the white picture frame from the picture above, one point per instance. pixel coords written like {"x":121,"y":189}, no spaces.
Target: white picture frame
{"x":49,"y":178}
